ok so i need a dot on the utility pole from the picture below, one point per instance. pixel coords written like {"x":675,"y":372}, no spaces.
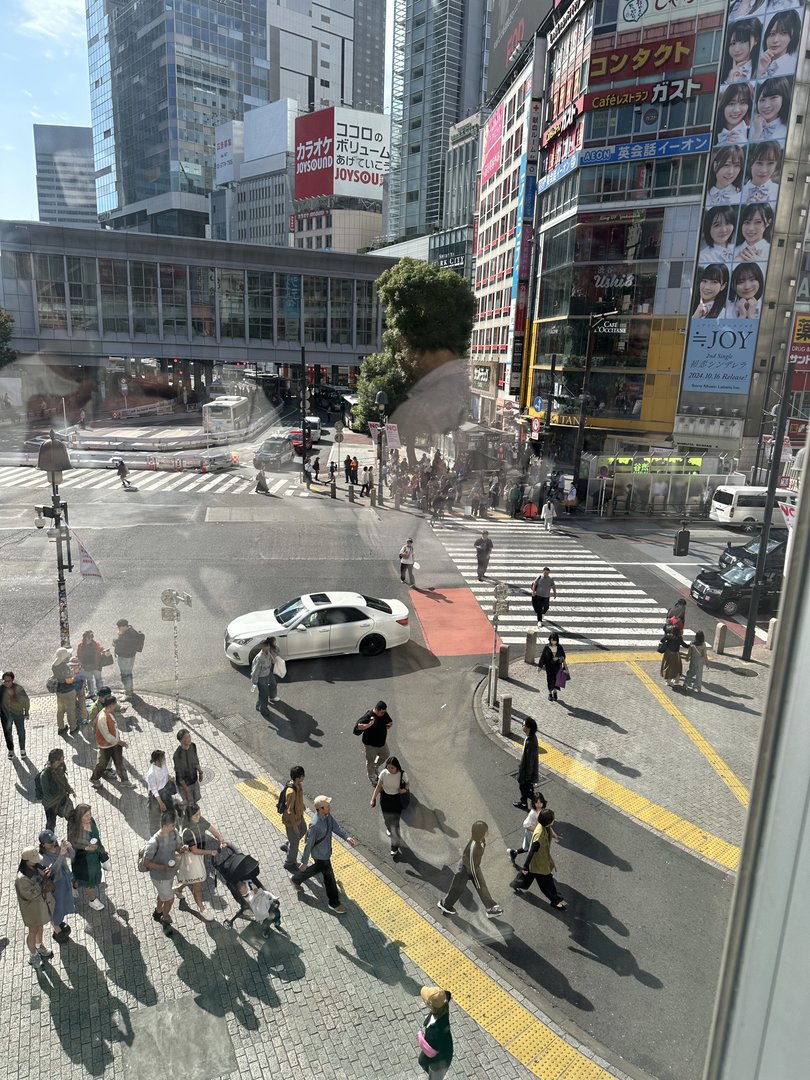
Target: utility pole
{"x":593,"y":320}
{"x":303,"y":405}
{"x":770,"y":502}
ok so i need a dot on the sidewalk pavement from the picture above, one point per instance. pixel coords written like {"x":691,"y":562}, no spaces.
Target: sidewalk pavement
{"x":678,"y":762}
{"x":325,"y":996}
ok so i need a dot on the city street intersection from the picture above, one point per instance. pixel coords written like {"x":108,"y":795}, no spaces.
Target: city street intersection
{"x":649,"y":786}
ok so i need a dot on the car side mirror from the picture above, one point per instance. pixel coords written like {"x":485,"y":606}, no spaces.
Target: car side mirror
{"x":302,"y":628}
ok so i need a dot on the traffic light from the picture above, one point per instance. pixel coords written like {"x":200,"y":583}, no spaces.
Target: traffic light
{"x":681,"y":545}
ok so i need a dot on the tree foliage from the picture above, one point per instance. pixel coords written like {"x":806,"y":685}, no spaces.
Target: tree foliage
{"x":429,"y":316}
{"x":7,"y":354}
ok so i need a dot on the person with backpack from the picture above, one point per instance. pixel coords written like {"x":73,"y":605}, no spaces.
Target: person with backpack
{"x":53,"y":790}
{"x":14,"y":709}
{"x":291,"y":807}
{"x":61,"y":682}
{"x":159,"y":858}
{"x":127,"y":646}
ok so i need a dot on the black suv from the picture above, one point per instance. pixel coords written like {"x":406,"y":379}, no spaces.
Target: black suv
{"x":748,"y":553}
{"x":273,"y":453}
{"x":729,"y":591}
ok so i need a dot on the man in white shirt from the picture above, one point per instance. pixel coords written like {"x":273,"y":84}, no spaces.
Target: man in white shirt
{"x":406,"y":561}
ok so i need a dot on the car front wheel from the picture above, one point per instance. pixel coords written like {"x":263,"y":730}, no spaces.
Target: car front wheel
{"x":730,"y":607}
{"x":372,"y":645}
{"x":750,"y":525}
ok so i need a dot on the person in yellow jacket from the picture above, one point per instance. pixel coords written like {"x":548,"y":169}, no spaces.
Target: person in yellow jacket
{"x":539,"y":865}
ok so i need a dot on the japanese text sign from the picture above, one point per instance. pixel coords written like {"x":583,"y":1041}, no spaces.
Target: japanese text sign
{"x":640,"y":60}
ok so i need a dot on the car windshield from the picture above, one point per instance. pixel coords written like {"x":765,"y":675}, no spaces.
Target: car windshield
{"x":739,"y":575}
{"x":271,"y":446}
{"x":288,"y":612}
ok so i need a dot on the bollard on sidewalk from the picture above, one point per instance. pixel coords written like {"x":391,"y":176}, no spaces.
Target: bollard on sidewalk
{"x":372,"y":497}
{"x":506,"y":714}
{"x":531,"y":644}
{"x":503,"y":662}
{"x":333,"y":489}
{"x":773,"y":625}
{"x":492,"y":686}
{"x":397,"y":501}
{"x":720,"y":638}
{"x":351,"y":492}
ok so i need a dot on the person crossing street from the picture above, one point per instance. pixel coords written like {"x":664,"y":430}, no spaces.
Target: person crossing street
{"x":543,"y":588}
{"x":406,"y":561}
{"x":483,"y":551}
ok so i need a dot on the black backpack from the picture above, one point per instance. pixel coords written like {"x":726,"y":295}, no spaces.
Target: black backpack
{"x":138,"y":639}
{"x":281,"y":805}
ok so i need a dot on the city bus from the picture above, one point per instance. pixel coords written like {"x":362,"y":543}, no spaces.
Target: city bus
{"x":226,"y":414}
{"x":348,"y":414}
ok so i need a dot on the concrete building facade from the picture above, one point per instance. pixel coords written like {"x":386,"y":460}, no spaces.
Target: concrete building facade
{"x":66,"y":190}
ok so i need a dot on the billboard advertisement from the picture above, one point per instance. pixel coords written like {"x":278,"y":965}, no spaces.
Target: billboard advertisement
{"x":643,"y":13}
{"x":642,"y":60}
{"x":514,"y":24}
{"x":341,"y":151}
{"x":228,"y":150}
{"x":492,"y":145}
{"x":752,"y":108}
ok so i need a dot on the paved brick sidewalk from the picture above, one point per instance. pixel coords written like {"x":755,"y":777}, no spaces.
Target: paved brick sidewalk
{"x":685,"y":758}
{"x":327,"y":997}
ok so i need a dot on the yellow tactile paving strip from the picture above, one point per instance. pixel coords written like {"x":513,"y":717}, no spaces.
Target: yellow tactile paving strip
{"x":520,"y":1032}
{"x":733,"y":782}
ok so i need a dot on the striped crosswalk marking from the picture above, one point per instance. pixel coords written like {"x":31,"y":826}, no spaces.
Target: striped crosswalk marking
{"x":15,"y":479}
{"x":596,"y":605}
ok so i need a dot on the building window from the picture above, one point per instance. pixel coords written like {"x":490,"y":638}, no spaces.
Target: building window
{"x":365,"y":307}
{"x":231,"y":293}
{"x":315,"y":305}
{"x":82,"y":292}
{"x":143,"y":278}
{"x":112,"y":274}
{"x":260,"y":306}
{"x":342,"y":305}
{"x":412,"y":197}
{"x":51,"y":304}
{"x":174,"y":299}
{"x":202,"y":301}
{"x":288,"y":307}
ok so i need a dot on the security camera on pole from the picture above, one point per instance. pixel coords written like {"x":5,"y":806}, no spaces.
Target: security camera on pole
{"x":170,"y":612}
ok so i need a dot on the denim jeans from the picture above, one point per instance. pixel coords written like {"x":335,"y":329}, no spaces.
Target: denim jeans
{"x":295,"y":834}
{"x":267,"y":686}
{"x":10,"y":722}
{"x":93,"y":681}
{"x":125,"y":666}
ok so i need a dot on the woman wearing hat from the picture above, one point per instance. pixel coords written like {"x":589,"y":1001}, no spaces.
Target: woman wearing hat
{"x":65,"y":694}
{"x":55,"y":856}
{"x":35,"y":896}
{"x":435,"y":1037}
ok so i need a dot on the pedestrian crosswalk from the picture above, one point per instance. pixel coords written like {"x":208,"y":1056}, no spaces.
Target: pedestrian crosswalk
{"x":22,"y":479}
{"x":596,"y":606}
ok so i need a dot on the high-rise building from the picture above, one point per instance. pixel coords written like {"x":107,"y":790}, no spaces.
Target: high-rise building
{"x":66,"y":190}
{"x":438,"y":79}
{"x":164,"y":75}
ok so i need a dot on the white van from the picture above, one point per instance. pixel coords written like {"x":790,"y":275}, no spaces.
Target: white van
{"x":744,"y":507}
{"x":314,"y":425}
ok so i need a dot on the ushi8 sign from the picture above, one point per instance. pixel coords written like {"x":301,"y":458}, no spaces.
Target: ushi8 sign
{"x":341,"y":152}
{"x":752,"y":113}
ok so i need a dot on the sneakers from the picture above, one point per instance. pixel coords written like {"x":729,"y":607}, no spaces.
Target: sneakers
{"x":395,"y":851}
{"x":44,"y":952}
{"x":178,"y":891}
{"x":11,"y":755}
{"x":521,"y":805}
{"x":204,"y":913}
{"x":284,"y":847}
{"x":274,"y":699}
{"x":513,"y":852}
{"x":35,"y":960}
{"x":494,"y":911}
{"x":446,"y":910}
{"x":96,"y":905}
{"x":23,"y":755}
{"x":339,"y":909}
{"x":561,"y":906}
{"x":126,"y":783}
{"x":156,"y":915}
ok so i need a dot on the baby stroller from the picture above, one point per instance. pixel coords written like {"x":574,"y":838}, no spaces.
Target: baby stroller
{"x":239,"y":874}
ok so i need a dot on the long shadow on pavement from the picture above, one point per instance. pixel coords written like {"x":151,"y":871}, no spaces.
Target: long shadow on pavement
{"x":86,"y":1031}
{"x":121,"y":948}
{"x":586,"y":915}
{"x":592,"y":717}
{"x":426,"y":818}
{"x":374,"y":954}
{"x":295,"y":725}
{"x":573,"y":838}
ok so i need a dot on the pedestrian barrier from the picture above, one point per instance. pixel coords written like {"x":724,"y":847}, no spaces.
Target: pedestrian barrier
{"x":531,"y":645}
{"x":372,"y":497}
{"x":506,"y":714}
{"x":772,"y":627}
{"x":333,"y":489}
{"x":351,"y":493}
{"x":503,"y":662}
{"x":720,"y":632}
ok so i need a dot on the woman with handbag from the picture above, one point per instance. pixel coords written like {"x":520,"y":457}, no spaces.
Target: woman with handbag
{"x":191,"y":871}
{"x":84,"y":838}
{"x":92,"y":657}
{"x":435,"y":1037}
{"x":34,"y":890}
{"x":552,"y":659}
{"x":161,"y":788}
{"x":392,"y":788}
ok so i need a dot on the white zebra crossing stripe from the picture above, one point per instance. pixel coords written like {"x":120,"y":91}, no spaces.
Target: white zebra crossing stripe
{"x":596,"y":605}
{"x":17,"y":480}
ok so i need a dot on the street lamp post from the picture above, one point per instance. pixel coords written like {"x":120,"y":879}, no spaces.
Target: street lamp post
{"x":53,"y":461}
{"x":381,"y":401}
{"x":770,"y":501}
{"x":593,"y":320}
{"x":170,"y":612}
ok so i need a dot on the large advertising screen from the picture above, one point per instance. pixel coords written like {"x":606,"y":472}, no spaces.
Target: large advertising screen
{"x":341,"y":152}
{"x":636,"y":13}
{"x":514,"y":24}
{"x":757,"y":74}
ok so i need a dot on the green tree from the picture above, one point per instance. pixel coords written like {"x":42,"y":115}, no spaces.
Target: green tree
{"x":7,"y":354}
{"x":429,"y":316}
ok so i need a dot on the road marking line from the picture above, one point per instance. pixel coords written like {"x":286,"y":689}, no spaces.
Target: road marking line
{"x":530,"y":1041}
{"x":726,"y":774}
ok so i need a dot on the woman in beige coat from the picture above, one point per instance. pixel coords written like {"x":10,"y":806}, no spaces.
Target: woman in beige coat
{"x":35,"y":897}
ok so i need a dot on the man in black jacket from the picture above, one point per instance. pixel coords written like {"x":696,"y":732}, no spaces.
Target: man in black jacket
{"x":374,"y":727}
{"x":127,"y":645}
{"x":529,"y":768}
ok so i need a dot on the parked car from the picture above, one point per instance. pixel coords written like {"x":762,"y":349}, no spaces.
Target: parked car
{"x":273,"y":453}
{"x":748,"y":553}
{"x":729,"y":591}
{"x":313,"y":424}
{"x":320,"y":624}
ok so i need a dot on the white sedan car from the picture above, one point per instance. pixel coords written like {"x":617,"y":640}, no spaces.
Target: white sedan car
{"x":320,"y":624}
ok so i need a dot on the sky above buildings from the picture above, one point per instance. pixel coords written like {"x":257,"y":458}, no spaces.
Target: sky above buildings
{"x":43,"y":80}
